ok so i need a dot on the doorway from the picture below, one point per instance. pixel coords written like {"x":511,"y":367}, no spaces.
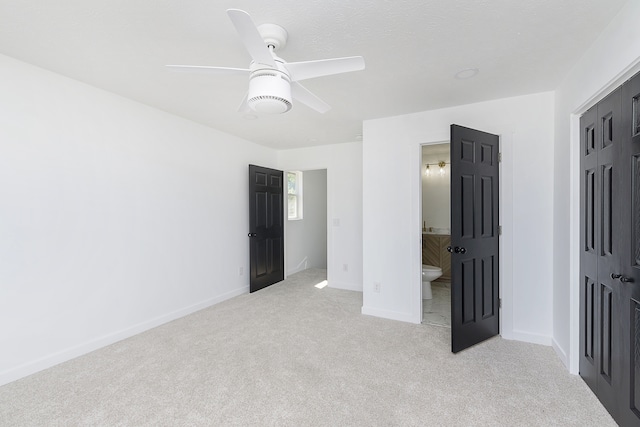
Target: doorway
{"x":306,"y":225}
{"x":436,"y":233}
{"x":474,"y":237}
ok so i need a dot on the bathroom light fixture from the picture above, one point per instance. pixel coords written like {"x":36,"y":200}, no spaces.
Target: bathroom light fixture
{"x":441,"y":165}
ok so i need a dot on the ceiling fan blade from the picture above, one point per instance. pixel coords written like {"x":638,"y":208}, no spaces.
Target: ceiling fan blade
{"x":203,"y":69}
{"x":244,"y":106}
{"x":251,"y":37}
{"x":310,"y":100}
{"x":324,"y":67}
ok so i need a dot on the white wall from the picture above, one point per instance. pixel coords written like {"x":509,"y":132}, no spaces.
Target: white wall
{"x":436,"y":189}
{"x":613,"y":58}
{"x":391,"y":206}
{"x":114,"y":217}
{"x":306,"y":238}
{"x":343,"y":163}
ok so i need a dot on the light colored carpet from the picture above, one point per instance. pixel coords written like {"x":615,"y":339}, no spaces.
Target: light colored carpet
{"x":295,"y":355}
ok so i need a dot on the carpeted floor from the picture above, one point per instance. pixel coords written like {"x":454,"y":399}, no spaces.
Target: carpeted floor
{"x":296,"y":355}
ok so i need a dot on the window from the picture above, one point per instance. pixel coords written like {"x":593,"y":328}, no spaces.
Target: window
{"x":294,"y":194}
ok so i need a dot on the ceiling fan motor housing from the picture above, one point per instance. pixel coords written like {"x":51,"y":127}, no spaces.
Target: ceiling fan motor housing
{"x":269,"y":92}
{"x":270,"y":79}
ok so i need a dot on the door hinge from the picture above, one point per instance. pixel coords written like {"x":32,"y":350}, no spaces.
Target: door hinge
{"x":499,"y":230}
{"x":499,"y":302}
{"x":499,"y":157}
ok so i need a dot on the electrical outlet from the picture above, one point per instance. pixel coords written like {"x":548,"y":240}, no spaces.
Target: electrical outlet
{"x":345,"y":267}
{"x":376,"y":287}
{"x":240,"y":271}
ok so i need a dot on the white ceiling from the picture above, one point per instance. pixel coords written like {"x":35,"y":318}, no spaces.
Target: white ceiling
{"x":412,"y":49}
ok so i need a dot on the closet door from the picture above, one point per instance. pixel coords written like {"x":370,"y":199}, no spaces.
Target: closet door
{"x":628,"y":276}
{"x":601,"y":359}
{"x":589,"y":245}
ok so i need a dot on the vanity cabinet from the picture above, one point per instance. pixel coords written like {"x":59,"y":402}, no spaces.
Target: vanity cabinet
{"x":434,"y":252}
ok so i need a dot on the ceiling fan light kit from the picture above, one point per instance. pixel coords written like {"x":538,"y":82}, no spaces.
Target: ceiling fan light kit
{"x":273,"y":83}
{"x":269,"y":92}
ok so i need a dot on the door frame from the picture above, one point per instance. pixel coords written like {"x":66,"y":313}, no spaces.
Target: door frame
{"x":575,"y":175}
{"x":311,"y":167}
{"x":505,"y":208}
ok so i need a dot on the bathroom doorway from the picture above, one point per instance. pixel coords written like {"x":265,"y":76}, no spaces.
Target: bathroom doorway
{"x":473,"y":232}
{"x":436,"y":234}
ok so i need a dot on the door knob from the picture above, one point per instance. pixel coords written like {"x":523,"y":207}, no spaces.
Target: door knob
{"x":457,"y":250}
{"x":253,"y":234}
{"x":622,"y":278}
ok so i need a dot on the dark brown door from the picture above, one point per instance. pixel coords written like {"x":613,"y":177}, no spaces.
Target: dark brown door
{"x":475,"y":313}
{"x":266,"y":231}
{"x":610,"y":252}
{"x":628,"y":276}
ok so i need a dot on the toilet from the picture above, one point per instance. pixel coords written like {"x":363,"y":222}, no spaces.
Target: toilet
{"x":429,"y":274}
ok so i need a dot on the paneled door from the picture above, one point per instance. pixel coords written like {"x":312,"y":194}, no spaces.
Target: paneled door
{"x":610,"y":252}
{"x":475,"y":309}
{"x":600,"y":247}
{"x":627,"y":277}
{"x":266,"y":227}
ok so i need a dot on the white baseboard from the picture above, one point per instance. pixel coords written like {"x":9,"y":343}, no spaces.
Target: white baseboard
{"x":50,"y":360}
{"x":345,"y":285}
{"x":295,"y":270}
{"x":527,"y":337}
{"x":561,"y":354}
{"x":393,"y":315}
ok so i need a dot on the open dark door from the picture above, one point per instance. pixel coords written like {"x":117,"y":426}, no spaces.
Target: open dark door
{"x":475,"y":310}
{"x":266,"y":231}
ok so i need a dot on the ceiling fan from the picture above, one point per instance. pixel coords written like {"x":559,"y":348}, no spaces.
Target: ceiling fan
{"x":273,"y":82}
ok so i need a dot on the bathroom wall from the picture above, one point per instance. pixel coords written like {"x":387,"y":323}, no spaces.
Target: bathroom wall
{"x":436,"y":187}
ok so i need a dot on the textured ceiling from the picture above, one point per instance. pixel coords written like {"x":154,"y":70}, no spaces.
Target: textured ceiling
{"x":412,"y":49}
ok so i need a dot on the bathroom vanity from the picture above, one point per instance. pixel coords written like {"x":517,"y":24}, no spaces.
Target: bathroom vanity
{"x":434,"y":252}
